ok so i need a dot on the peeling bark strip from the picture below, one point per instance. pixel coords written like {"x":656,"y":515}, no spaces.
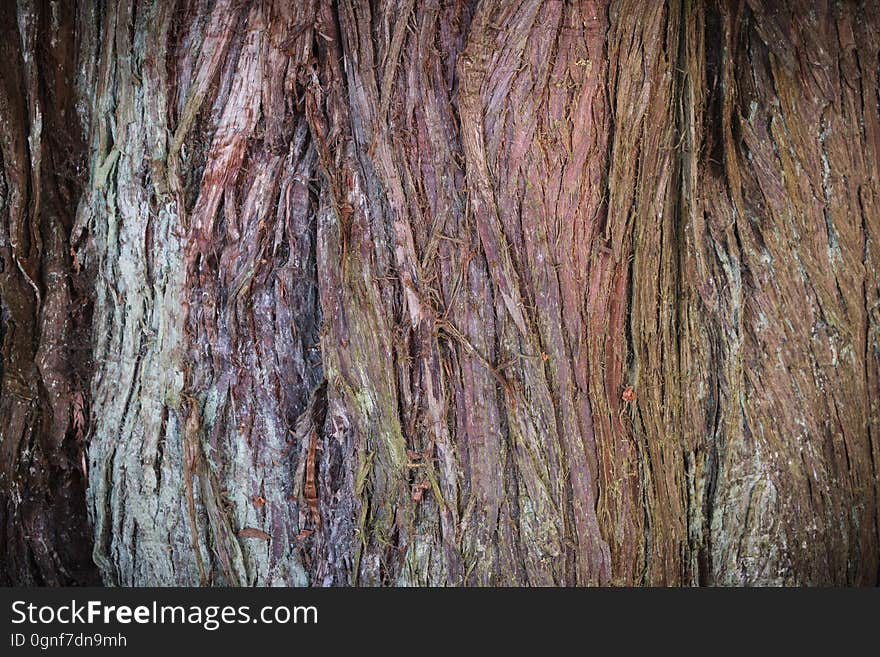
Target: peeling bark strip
{"x":472,"y":292}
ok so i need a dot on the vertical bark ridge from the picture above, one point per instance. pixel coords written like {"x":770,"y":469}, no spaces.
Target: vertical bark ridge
{"x":774,"y":223}
{"x":201,"y":230}
{"x":646,"y":195}
{"x":44,"y":304}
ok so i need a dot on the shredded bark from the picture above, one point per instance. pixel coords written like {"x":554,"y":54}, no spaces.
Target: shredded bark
{"x":425,"y":293}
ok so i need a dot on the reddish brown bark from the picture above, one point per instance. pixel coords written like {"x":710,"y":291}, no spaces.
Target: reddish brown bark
{"x":448,"y":292}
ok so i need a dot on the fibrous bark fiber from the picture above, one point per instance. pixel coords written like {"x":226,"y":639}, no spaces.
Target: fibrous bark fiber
{"x":422,"y":293}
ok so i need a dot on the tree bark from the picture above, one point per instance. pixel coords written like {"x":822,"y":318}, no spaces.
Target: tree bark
{"x":45,"y":303}
{"x":425,"y":293}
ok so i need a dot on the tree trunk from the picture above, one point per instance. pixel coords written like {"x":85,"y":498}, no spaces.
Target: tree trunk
{"x":419,"y":293}
{"x":45,"y":303}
